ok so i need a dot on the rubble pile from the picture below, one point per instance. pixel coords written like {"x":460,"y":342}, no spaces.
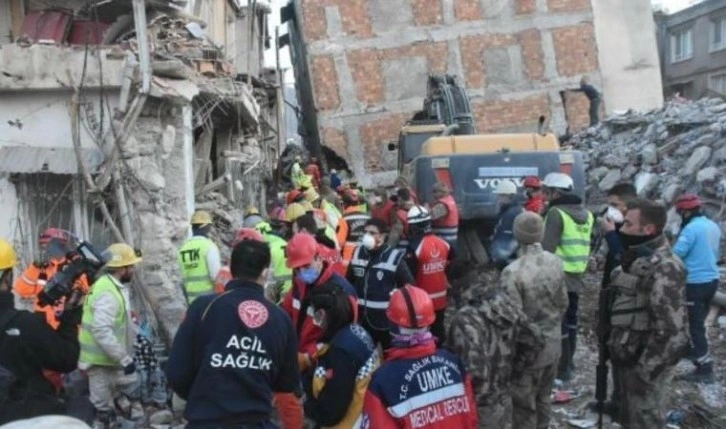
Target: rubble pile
{"x":664,"y":153}
{"x":227,"y":220}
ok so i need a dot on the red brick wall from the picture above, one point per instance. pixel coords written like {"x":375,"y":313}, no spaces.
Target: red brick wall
{"x":567,"y":5}
{"x":353,"y":15}
{"x":575,"y":49}
{"x":335,"y":139}
{"x":523,"y":7}
{"x":427,"y":12}
{"x":325,"y":79}
{"x":374,"y":134}
{"x":467,"y":10}
{"x":492,"y":116}
{"x":578,"y":110}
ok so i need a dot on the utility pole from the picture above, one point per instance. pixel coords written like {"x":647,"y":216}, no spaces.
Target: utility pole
{"x":280,"y":107}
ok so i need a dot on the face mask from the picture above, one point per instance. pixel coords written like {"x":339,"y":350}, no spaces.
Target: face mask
{"x":614,"y":215}
{"x":368,"y":242}
{"x":634,"y":240}
{"x":308,"y":275}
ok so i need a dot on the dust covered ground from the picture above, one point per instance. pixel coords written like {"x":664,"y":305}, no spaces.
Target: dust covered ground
{"x":701,"y":406}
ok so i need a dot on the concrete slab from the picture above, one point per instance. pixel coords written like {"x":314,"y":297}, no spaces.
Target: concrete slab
{"x":390,"y":15}
{"x":403,"y":77}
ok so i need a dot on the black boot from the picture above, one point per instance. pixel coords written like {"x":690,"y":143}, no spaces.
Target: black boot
{"x":702,"y":374}
{"x":564,"y":369}
{"x":105,"y":419}
{"x":572,"y":334}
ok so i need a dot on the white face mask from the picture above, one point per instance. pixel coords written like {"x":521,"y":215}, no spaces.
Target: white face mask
{"x":368,"y":242}
{"x":614,"y":215}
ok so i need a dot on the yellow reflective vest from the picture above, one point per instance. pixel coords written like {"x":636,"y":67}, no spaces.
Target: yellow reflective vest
{"x":574,"y":247}
{"x":91,"y":352}
{"x":280,"y":270}
{"x":195,"y":272}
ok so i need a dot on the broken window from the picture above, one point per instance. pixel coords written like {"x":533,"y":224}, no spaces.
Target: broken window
{"x":681,"y":45}
{"x":718,"y":34}
{"x":717,"y":83}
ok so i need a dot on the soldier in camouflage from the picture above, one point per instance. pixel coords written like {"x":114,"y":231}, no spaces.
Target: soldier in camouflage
{"x":535,"y":283}
{"x":648,"y":331}
{"x":495,"y":340}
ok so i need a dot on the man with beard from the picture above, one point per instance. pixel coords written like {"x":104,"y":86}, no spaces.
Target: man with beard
{"x":568,"y":233}
{"x":647,"y":317}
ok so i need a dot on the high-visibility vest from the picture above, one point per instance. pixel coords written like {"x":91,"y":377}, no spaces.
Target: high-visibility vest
{"x":447,"y":227}
{"x":195,"y":272}
{"x":574,"y":247}
{"x":91,"y":352}
{"x":279,"y":262}
{"x":356,"y":220}
{"x":432,"y":255}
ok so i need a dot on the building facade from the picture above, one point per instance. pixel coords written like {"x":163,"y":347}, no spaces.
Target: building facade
{"x":692,"y":48}
{"x":361,"y":66}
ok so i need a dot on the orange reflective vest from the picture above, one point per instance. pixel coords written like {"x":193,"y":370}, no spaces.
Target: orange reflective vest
{"x":433,"y":257}
{"x":224,"y":275}
{"x":447,"y":227}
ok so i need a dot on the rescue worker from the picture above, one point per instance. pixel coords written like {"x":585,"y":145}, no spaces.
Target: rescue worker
{"x":698,"y":245}
{"x":649,"y":330}
{"x":297,"y":210}
{"x":418,"y":385}
{"x":280,"y":282}
{"x":54,"y":245}
{"x":335,"y":387}
{"x":107,"y":340}
{"x":495,"y":340}
{"x":355,"y":220}
{"x":535,"y":198}
{"x":427,"y":257}
{"x":199,"y":258}
{"x":252,"y":217}
{"x":382,"y":206}
{"x":375,"y":270}
{"x":225,"y":273}
{"x":313,"y":170}
{"x":28,"y":346}
{"x":503,"y":246}
{"x":309,"y":271}
{"x":568,"y":234}
{"x":535,"y":283}
{"x":297,"y":174}
{"x":445,"y":214}
{"x":326,"y":246}
{"x":402,"y":183}
{"x":398,"y":236}
{"x":235,"y":352}
{"x":335,"y":180}
{"x":327,"y":213}
{"x":328,"y":193}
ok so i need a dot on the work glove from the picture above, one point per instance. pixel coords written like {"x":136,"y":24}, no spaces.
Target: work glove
{"x":130,"y":369}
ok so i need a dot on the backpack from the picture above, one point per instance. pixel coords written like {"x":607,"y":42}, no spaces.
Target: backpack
{"x":7,"y":377}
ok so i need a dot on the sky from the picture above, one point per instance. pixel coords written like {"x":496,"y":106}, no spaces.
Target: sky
{"x":674,"y":5}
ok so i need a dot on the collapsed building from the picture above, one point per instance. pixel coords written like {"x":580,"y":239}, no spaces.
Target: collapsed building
{"x":118,"y":119}
{"x":361,"y":66}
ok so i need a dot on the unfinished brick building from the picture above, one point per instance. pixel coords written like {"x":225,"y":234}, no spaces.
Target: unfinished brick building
{"x":361,"y":65}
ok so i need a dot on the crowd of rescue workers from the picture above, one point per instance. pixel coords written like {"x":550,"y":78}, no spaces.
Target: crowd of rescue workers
{"x":347,"y":309}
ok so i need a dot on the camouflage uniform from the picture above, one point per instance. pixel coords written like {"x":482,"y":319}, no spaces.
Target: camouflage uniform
{"x":535,"y":283}
{"x":648,"y":330}
{"x":495,"y":340}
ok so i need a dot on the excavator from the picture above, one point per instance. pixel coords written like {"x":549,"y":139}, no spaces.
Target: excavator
{"x":440,"y":143}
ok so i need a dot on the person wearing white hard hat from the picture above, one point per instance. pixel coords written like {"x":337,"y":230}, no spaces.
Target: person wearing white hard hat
{"x":503,"y":245}
{"x":568,"y":234}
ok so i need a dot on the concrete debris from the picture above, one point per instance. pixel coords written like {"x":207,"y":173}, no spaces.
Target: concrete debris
{"x":163,"y":417}
{"x":227,"y":220}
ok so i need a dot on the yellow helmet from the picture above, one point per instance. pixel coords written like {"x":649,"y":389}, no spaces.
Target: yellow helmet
{"x":251,"y":210}
{"x":8,"y":259}
{"x":120,"y":255}
{"x":294,"y":211}
{"x":200,"y":217}
{"x":311,"y":195}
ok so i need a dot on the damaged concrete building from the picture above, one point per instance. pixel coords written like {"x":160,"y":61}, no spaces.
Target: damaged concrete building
{"x":119,"y":118}
{"x":361,"y":65}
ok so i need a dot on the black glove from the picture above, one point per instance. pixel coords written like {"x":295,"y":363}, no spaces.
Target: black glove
{"x":130,"y":369}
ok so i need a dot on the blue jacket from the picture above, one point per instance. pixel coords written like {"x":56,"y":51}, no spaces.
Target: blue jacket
{"x":231,"y":353}
{"x":698,"y":247}
{"x":503,"y":245}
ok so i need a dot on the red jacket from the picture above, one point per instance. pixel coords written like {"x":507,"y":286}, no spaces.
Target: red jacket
{"x":535,"y":204}
{"x":314,"y":171}
{"x":383,"y":212}
{"x":432,"y":257}
{"x":420,"y":387}
{"x":333,"y":258}
{"x":451,"y":220}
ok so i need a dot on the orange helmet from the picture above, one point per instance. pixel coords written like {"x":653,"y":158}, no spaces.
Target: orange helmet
{"x":532,"y":182}
{"x":247,"y":234}
{"x":294,"y":196}
{"x":53,"y":233}
{"x":301,"y":250}
{"x":688,"y":202}
{"x":411,"y":307}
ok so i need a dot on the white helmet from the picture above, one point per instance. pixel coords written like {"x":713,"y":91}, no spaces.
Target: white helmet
{"x":506,"y":187}
{"x":418,"y":214}
{"x":558,"y":181}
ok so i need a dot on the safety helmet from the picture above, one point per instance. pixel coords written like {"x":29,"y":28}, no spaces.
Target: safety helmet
{"x":301,"y":250}
{"x":201,"y":217}
{"x":8,"y":258}
{"x":251,"y":210}
{"x":311,"y":195}
{"x":418,"y":214}
{"x":558,"y":181}
{"x":532,"y":182}
{"x":506,"y":187}
{"x":277,"y":215}
{"x":411,"y":307}
{"x":251,"y":221}
{"x":53,"y":234}
{"x":298,"y":158}
{"x":247,"y":234}
{"x":263,"y":228}
{"x":120,"y":255}
{"x":294,"y":196}
{"x":294,"y":211}
{"x":688,"y":202}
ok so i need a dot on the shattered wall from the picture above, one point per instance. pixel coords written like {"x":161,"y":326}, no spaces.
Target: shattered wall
{"x":368,"y":61}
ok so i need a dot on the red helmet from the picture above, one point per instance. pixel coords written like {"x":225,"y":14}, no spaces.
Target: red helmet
{"x":53,"y":233}
{"x":688,"y":202}
{"x":301,"y":250}
{"x":247,"y":234}
{"x":294,"y":196}
{"x":411,"y":307}
{"x":532,"y":182}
